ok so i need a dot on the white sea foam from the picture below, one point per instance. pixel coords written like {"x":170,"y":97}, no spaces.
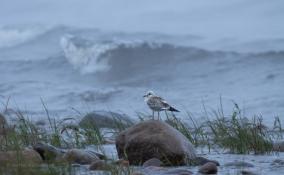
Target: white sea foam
{"x":10,"y":36}
{"x":37,"y":67}
{"x":86,"y":59}
{"x":92,"y":58}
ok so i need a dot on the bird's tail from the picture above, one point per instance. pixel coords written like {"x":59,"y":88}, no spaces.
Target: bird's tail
{"x":173,"y":109}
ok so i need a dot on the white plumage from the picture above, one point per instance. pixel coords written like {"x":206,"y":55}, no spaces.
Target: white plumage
{"x":157,"y":104}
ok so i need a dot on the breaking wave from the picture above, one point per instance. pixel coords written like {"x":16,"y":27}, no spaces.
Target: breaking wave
{"x":91,"y":57}
{"x":85,"y":58}
{"x":111,"y":55}
{"x":123,"y":59}
{"x":86,"y":65}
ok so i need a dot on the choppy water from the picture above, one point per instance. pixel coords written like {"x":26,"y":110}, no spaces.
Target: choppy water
{"x":110,"y":68}
{"x":257,"y":164}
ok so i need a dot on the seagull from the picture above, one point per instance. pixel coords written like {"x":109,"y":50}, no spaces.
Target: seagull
{"x":157,"y":103}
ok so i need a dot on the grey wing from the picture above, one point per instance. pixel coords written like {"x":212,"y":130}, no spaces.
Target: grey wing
{"x":158,"y":103}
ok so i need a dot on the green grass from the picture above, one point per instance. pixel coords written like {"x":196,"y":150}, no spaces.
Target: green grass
{"x":59,"y":133}
{"x":194,"y":134}
{"x":240,"y":135}
{"x":234,"y":133}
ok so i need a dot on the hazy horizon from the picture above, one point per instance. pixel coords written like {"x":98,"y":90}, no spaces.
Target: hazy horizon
{"x":91,"y":54}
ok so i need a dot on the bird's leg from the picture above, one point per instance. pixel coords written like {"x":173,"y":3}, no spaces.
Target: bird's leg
{"x":153,"y":114}
{"x":173,"y":114}
{"x":158,"y":115}
{"x":166,"y":114}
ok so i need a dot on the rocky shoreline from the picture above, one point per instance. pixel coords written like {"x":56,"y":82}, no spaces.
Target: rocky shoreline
{"x":137,"y":148}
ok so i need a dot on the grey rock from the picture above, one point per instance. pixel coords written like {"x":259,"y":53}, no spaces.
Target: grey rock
{"x":178,"y":171}
{"x":79,"y":156}
{"x":248,"y":172}
{"x":104,"y":119}
{"x":202,"y":161}
{"x":99,"y":155}
{"x":99,"y":165}
{"x":152,"y":162}
{"x":49,"y":152}
{"x":208,"y":168}
{"x":154,"y":139}
{"x":278,"y":162}
{"x":52,"y":153}
{"x":239,"y":164}
{"x":40,"y":122}
{"x":152,"y":170}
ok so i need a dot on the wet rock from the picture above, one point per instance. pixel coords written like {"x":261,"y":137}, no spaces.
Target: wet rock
{"x":154,"y":139}
{"x":93,"y":152}
{"x":278,"y":162}
{"x":26,"y":156}
{"x":208,"y":168}
{"x":239,"y":164}
{"x":31,"y":155}
{"x":80,"y":156}
{"x":152,"y":170}
{"x":99,"y":155}
{"x":104,"y":119}
{"x":178,"y":172}
{"x":99,"y":165}
{"x":49,"y":152}
{"x":122,"y":162}
{"x":152,"y":162}
{"x":52,"y":153}
{"x":278,"y":146}
{"x":247,"y":172}
{"x":202,"y":161}
{"x":40,"y":122}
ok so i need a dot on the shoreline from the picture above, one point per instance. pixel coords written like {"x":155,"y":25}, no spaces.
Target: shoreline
{"x":65,"y":134}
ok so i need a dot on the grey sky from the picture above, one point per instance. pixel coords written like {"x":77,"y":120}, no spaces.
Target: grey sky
{"x":215,"y":19}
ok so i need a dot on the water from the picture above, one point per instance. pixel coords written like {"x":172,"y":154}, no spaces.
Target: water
{"x":106,"y":55}
{"x":260,"y":164}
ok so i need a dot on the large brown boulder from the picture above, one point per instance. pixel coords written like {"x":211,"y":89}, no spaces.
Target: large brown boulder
{"x":154,"y":139}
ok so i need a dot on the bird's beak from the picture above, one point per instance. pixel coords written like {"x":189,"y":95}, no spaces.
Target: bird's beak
{"x":144,"y":95}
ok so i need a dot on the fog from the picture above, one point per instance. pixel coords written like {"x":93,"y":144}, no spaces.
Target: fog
{"x":234,"y":19}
